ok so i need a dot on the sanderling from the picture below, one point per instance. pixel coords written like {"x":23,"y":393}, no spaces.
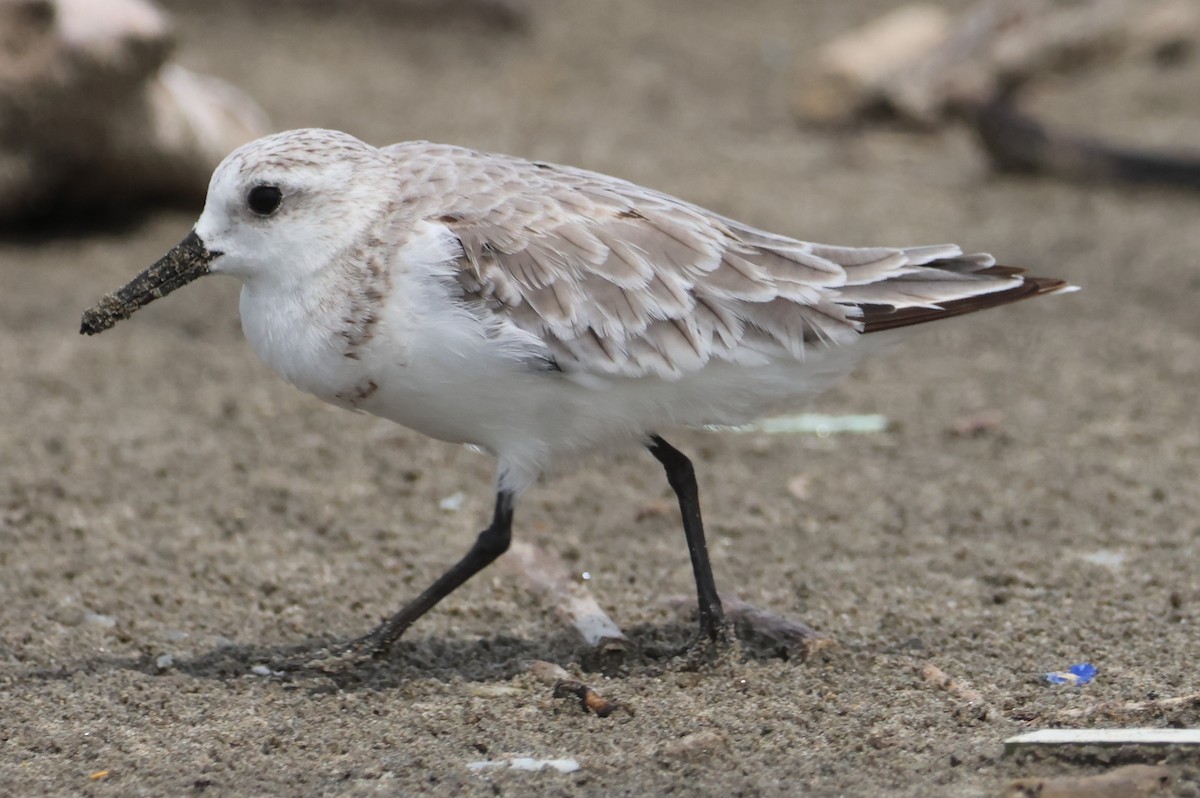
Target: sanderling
{"x":537,"y":311}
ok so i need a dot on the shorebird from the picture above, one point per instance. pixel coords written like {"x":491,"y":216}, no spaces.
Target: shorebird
{"x":537,"y":311}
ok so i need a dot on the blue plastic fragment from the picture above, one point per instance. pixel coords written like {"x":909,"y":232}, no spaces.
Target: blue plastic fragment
{"x":1075,"y":675}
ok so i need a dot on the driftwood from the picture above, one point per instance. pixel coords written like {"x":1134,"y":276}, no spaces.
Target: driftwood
{"x":93,"y":113}
{"x":502,"y":16}
{"x":1016,"y":142}
{"x":921,"y":65}
{"x":763,"y":629}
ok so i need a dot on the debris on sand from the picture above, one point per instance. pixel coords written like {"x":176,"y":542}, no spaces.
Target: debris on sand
{"x":697,"y":746}
{"x":960,"y":689}
{"x":566,"y":686}
{"x":1076,"y":675}
{"x":589,"y":699}
{"x":763,"y":629}
{"x":977,"y":424}
{"x":1045,"y":739}
{"x":547,"y":575}
{"x":1125,"y":709}
{"x":1130,"y":781}
{"x":547,"y":672}
{"x":453,"y":503}
{"x":526,"y":763}
{"x":819,"y":424}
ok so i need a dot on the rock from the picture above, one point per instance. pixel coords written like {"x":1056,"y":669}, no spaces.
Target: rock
{"x":93,"y":113}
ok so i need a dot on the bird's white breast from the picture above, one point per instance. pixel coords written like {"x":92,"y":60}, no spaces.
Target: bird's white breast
{"x":431,"y":362}
{"x":404,"y":347}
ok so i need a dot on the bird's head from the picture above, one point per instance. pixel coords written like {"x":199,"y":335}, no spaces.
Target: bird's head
{"x":278,"y":209}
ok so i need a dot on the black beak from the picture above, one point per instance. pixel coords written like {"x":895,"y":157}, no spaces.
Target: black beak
{"x":188,"y":260}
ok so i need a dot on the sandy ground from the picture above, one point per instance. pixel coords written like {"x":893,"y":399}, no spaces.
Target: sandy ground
{"x":163,"y":493}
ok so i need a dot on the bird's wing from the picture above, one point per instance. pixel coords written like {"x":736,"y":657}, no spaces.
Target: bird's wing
{"x":620,"y":280}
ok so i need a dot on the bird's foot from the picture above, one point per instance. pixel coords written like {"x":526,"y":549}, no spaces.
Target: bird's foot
{"x":717,"y":642}
{"x":318,"y":659}
{"x":714,"y":642}
{"x":335,"y":657}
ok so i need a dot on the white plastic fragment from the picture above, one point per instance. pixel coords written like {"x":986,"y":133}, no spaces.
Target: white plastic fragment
{"x":164,"y":662}
{"x":453,"y":503}
{"x":1106,"y":737}
{"x":1106,"y":557}
{"x":818,"y":424}
{"x":561,"y":765}
{"x":106,"y":621}
{"x":526,"y":763}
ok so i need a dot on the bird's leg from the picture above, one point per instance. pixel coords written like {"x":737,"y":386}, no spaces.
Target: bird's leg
{"x":491,"y":543}
{"x":682,"y":477}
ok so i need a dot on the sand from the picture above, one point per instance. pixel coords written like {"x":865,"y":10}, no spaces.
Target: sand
{"x":173,"y":515}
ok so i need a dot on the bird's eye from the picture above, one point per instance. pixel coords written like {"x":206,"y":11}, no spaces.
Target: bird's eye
{"x":264,"y":200}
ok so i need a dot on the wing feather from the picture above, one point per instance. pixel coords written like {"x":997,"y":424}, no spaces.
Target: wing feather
{"x":620,"y":280}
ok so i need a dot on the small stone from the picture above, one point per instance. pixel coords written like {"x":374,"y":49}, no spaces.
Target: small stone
{"x":97,"y":619}
{"x":697,"y":745}
{"x":547,"y":672}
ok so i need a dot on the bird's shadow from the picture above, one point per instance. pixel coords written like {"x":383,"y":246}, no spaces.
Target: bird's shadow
{"x":648,"y":649}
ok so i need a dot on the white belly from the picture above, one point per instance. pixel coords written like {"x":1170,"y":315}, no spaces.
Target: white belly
{"x":431,"y":366}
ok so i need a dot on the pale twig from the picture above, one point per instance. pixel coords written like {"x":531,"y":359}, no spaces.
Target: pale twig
{"x":548,"y":576}
{"x":942,"y":680}
{"x":1117,"y":709}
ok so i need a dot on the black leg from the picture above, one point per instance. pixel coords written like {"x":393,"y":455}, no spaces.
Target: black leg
{"x":682,"y":477}
{"x":491,"y":543}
